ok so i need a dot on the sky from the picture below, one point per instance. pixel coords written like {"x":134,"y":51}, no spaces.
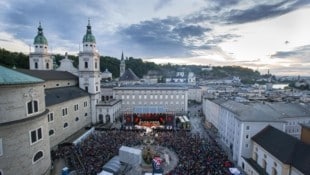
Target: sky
{"x":259,"y":34}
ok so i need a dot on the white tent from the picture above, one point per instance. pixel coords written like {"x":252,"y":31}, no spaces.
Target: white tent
{"x":234,"y":171}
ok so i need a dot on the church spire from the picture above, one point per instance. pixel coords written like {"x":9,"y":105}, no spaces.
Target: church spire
{"x":122,"y":66}
{"x":89,"y":37}
{"x":40,"y":38}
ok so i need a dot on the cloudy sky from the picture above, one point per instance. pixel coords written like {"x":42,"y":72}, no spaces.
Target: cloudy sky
{"x":259,"y":34}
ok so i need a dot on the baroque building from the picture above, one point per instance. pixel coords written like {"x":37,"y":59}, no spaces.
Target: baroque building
{"x":42,"y":107}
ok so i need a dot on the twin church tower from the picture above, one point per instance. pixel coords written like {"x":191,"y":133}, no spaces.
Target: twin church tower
{"x":89,"y":62}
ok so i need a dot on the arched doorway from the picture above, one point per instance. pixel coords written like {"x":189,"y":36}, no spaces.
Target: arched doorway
{"x":108,"y":118}
{"x":100,"y":118}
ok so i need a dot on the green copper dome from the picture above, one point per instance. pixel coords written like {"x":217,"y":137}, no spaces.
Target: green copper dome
{"x":40,"y":38}
{"x":89,"y":37}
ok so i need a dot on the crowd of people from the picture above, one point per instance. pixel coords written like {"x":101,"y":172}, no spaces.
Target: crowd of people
{"x":196,"y":155}
{"x":98,"y":148}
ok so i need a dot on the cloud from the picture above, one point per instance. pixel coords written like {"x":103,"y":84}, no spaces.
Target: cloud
{"x":231,"y":12}
{"x":300,"y":53}
{"x":262,"y":11}
{"x":173,"y":36}
{"x":160,"y":4}
{"x":190,"y":31}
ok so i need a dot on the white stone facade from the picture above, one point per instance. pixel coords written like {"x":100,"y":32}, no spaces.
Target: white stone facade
{"x":173,"y":98}
{"x":109,"y":111}
{"x":268,"y":163}
{"x":77,"y":117}
{"x":40,"y":61}
{"x":67,"y":65}
{"x":25,"y":147}
{"x":195,"y":94}
{"x":235,"y":133}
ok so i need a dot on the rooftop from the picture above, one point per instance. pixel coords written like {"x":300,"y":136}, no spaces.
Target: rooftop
{"x":59,"y":95}
{"x":10,"y":77}
{"x":253,"y":112}
{"x":152,"y":86}
{"x":285,"y":148}
{"x":290,"y":109}
{"x":129,"y":75}
{"x":49,"y":74}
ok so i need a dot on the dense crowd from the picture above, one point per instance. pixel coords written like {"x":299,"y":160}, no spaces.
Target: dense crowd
{"x":196,"y":155}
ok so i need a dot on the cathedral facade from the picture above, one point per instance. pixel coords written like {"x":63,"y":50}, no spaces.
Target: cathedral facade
{"x":42,"y":107}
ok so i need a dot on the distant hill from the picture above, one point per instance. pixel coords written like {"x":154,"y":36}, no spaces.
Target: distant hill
{"x":247,"y":76}
{"x":140,"y":67}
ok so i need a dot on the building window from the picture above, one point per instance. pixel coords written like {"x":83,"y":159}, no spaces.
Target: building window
{"x":32,"y":106}
{"x":247,"y":136}
{"x":76,"y":119}
{"x":38,"y":156}
{"x":96,"y":65}
{"x":57,"y":84}
{"x":85,"y":64}
{"x":96,"y":88}
{"x":274,"y":171}
{"x":264,"y":165}
{"x":66,"y":125}
{"x":247,"y":127}
{"x":36,"y":65}
{"x":86,"y":88}
{"x":246,"y":145}
{"x":1,"y":149}
{"x":51,"y":132}
{"x":76,"y":107}
{"x":85,"y":114}
{"x":47,"y":66}
{"x":64,"y":111}
{"x":35,"y":135}
{"x":85,"y":103}
{"x":255,"y":157}
{"x":50,"y":117}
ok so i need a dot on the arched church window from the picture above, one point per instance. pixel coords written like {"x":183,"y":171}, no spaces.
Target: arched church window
{"x":37,"y":156}
{"x":86,"y":64}
{"x":51,"y":132}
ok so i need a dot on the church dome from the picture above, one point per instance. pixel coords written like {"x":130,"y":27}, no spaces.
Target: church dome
{"x":40,"y":38}
{"x":89,"y":37}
